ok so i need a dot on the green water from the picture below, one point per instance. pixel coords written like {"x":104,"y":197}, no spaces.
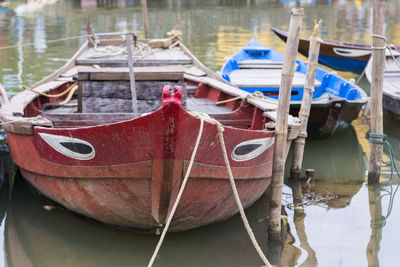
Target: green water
{"x":335,"y":231}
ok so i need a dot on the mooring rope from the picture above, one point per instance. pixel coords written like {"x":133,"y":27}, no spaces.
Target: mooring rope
{"x":237,"y":198}
{"x":178,"y":198}
{"x":48,"y":42}
{"x":140,"y":50}
{"x":220,"y":129}
{"x":255,"y":95}
{"x":387,"y":46}
{"x":382,"y":140}
{"x":72,"y":87}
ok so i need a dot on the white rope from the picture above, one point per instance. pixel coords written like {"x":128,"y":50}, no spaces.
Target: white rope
{"x":49,"y":41}
{"x":178,"y":198}
{"x":238,"y":202}
{"x":140,"y":50}
{"x":387,"y":46}
{"x":205,"y":117}
{"x":255,"y":95}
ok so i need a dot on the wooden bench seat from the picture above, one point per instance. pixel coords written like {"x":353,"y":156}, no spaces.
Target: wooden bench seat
{"x":264,"y":78}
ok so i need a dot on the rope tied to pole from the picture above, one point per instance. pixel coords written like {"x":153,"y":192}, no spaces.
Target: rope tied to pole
{"x":255,"y":95}
{"x":387,"y":46}
{"x":220,"y":129}
{"x":382,"y":140}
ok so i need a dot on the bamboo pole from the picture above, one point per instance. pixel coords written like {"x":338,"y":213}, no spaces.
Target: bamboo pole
{"x":144,"y":12}
{"x":378,"y":66}
{"x":377,"y":220}
{"x":304,"y":113}
{"x":282,"y":122}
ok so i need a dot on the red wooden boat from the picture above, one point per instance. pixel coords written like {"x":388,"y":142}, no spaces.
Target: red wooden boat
{"x":93,"y":156}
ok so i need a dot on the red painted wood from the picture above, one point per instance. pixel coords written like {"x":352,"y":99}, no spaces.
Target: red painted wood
{"x":139,"y":164}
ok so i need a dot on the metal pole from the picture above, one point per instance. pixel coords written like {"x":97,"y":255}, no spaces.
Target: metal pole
{"x":131,"y":74}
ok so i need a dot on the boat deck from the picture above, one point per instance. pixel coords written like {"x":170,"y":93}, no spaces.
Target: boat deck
{"x":262,"y":77}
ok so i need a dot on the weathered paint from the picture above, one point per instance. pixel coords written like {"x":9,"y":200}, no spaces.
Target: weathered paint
{"x":135,"y":175}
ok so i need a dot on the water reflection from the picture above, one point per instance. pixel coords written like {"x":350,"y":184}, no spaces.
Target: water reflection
{"x":377,"y":220}
{"x":340,"y":230}
{"x":38,"y":237}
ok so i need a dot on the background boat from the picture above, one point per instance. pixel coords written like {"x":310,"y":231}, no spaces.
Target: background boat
{"x":391,"y":82}
{"x":336,"y":55}
{"x":258,"y":68}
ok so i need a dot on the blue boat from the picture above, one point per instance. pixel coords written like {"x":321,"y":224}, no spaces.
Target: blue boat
{"x":336,"y":55}
{"x":258,"y":68}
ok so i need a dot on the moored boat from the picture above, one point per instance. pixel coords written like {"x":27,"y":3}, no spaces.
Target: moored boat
{"x":258,"y":68}
{"x":340,"y":56}
{"x":391,"y":81}
{"x":90,"y":153}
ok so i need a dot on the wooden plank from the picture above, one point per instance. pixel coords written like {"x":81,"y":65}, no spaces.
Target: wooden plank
{"x":264,"y":104}
{"x":145,"y":90}
{"x":260,"y":62}
{"x":195,"y":71}
{"x":86,"y":119}
{"x":206,"y":105}
{"x":112,"y":105}
{"x":160,"y":57}
{"x":168,"y":72}
{"x":265,"y":78}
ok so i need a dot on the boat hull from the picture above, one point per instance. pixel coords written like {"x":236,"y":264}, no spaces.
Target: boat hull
{"x":134,"y":176}
{"x":333,"y":100}
{"x":338,"y":56}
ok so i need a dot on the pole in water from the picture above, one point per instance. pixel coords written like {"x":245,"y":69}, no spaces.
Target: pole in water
{"x":144,"y":13}
{"x":378,"y":66}
{"x":304,"y":112}
{"x":132,"y":75}
{"x":282,"y":122}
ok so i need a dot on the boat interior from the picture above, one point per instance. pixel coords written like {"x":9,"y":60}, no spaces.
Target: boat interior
{"x":259,"y":68}
{"x":102,"y":92}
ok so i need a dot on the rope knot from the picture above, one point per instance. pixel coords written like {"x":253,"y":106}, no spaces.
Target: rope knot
{"x":375,"y":138}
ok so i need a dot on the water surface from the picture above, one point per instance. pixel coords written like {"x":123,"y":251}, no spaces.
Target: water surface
{"x":345,"y":221}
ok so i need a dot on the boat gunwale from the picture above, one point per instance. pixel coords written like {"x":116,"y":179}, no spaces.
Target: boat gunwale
{"x":12,"y":113}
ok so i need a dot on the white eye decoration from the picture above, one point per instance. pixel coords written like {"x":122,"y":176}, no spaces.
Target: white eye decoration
{"x":71,"y":147}
{"x":251,"y":148}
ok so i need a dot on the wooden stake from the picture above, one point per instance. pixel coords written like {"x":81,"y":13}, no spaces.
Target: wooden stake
{"x":144,"y":13}
{"x":378,"y":66}
{"x":377,"y":222}
{"x":282,"y":122}
{"x":304,"y":113}
{"x":132,"y":75}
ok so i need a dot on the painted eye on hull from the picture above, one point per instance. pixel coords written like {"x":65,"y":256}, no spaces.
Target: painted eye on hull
{"x":71,"y":147}
{"x":251,"y":149}
{"x":351,"y":52}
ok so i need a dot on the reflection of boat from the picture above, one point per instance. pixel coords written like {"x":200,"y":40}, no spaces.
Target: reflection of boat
{"x":95,"y":157}
{"x":5,"y":11}
{"x":339,"y":167}
{"x":258,"y":68}
{"x":337,"y":55}
{"x":37,"y":237}
{"x":391,"y":82}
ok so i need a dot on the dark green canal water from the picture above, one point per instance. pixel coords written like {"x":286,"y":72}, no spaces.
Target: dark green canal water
{"x":345,"y":222}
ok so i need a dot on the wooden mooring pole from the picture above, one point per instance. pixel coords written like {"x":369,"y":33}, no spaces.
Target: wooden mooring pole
{"x":304,"y":113}
{"x":282,"y":122}
{"x":378,"y":66}
{"x":144,"y":13}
